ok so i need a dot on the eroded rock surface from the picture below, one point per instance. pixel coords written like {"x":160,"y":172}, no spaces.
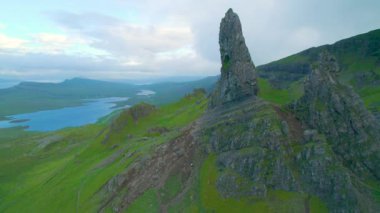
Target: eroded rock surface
{"x":325,"y":144}
{"x":338,"y":112}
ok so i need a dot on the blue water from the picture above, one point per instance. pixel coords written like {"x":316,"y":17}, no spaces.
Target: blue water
{"x":146,"y":92}
{"x":7,"y":84}
{"x":51,"y":120}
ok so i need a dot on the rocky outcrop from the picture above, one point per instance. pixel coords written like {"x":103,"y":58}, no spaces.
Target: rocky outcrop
{"x":250,"y":140}
{"x":238,"y":75}
{"x":322,"y":150}
{"x":175,"y":158}
{"x":358,"y":58}
{"x":338,"y":112}
{"x":135,"y":113}
{"x":325,"y":144}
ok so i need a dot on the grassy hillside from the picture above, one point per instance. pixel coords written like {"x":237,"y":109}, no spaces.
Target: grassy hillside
{"x":63,"y":171}
{"x":68,"y":170}
{"x":359,"y":59}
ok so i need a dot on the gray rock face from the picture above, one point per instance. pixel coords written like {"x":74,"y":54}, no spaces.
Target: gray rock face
{"x":255,"y":156}
{"x":238,"y":75}
{"x":313,"y":148}
{"x":338,"y":112}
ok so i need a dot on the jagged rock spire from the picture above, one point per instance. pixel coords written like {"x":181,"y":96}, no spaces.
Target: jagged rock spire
{"x":328,"y":63}
{"x":339,"y":113}
{"x":238,"y":75}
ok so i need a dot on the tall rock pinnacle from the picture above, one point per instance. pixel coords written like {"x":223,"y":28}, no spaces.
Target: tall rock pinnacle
{"x":238,"y":75}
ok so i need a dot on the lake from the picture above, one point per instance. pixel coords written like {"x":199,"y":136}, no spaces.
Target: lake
{"x":146,"y":92}
{"x":50,"y":120}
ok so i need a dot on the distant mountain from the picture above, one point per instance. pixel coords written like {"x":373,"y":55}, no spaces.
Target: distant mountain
{"x":171,"y":91}
{"x":358,"y":57}
{"x":6,"y":80}
{"x":6,"y":83}
{"x":77,"y":88}
{"x":156,"y":80}
{"x":34,"y":96}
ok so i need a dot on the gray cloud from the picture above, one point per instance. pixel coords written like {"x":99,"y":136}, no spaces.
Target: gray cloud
{"x":37,"y":66}
{"x":32,"y":61}
{"x":277,"y":28}
{"x":123,"y":38}
{"x":181,"y":37}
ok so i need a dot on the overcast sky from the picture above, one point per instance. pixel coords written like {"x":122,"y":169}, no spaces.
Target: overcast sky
{"x":127,"y":39}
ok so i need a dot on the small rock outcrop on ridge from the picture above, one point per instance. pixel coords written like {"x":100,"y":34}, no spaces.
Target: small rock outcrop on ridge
{"x":238,"y":75}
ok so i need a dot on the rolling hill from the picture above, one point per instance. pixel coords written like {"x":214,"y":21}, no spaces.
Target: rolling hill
{"x":31,"y":96}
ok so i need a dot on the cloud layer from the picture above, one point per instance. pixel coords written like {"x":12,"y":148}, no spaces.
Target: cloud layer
{"x":173,"y":37}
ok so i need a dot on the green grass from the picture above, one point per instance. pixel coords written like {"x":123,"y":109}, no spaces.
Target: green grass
{"x":358,"y":57}
{"x":212,"y":201}
{"x":371,"y":97}
{"x":275,"y":201}
{"x":374,"y":186}
{"x":64,"y":170}
{"x":317,"y":206}
{"x":279,"y":96}
{"x":190,"y":203}
{"x":320,"y":106}
{"x":296,"y":58}
{"x":171,"y":188}
{"x":148,"y":202}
